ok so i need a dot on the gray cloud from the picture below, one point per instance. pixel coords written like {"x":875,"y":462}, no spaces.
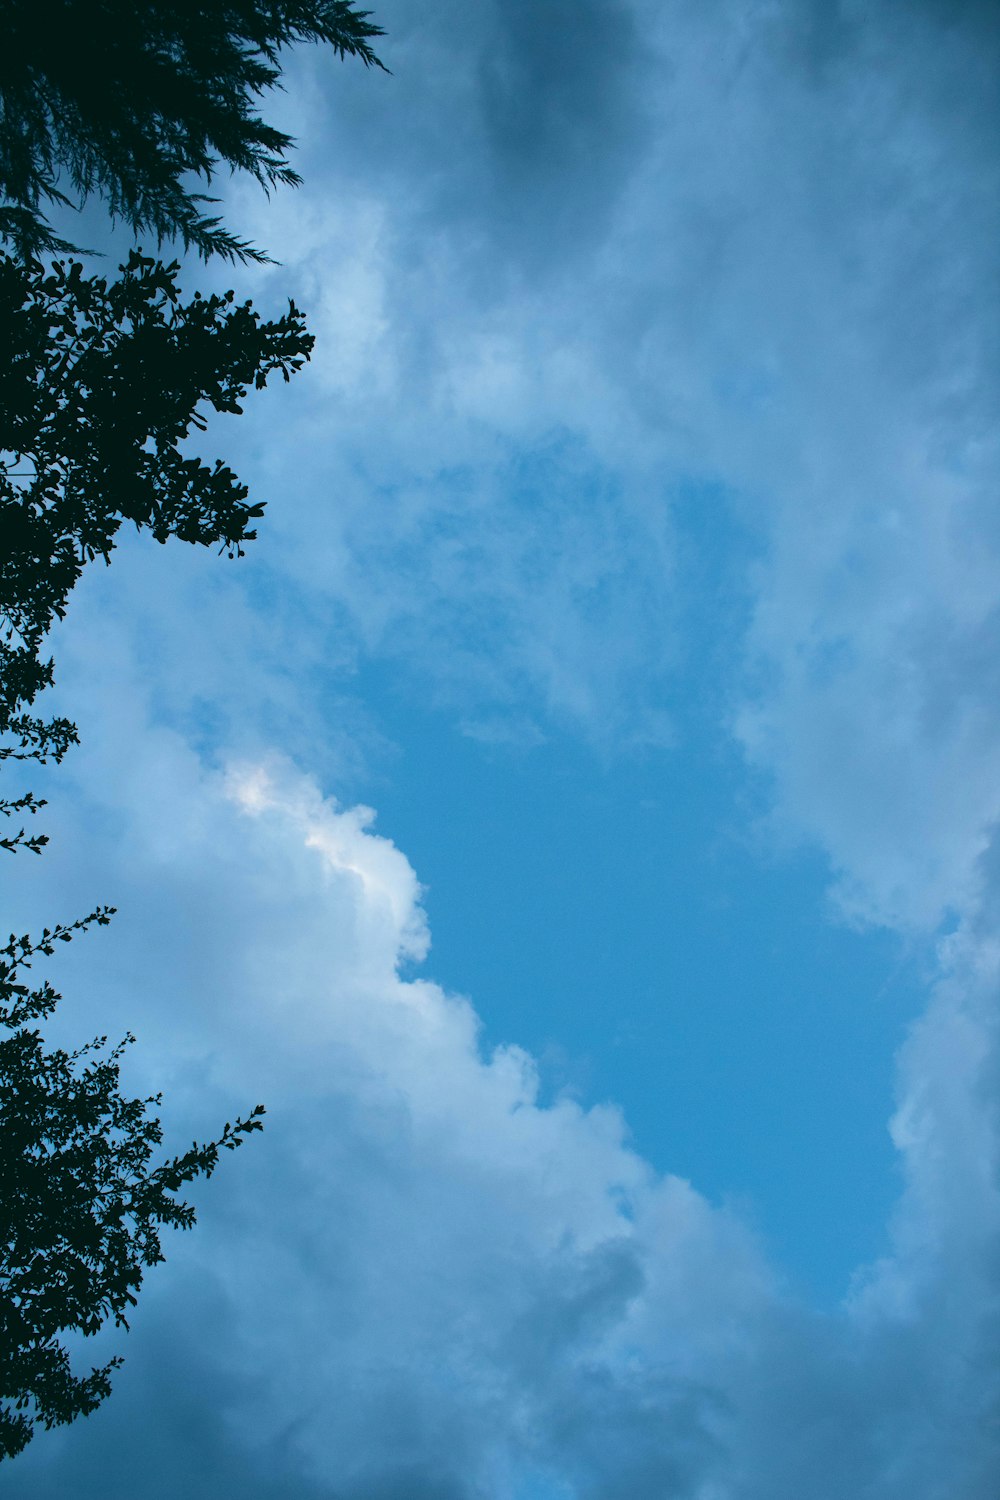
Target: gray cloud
{"x":781,"y":311}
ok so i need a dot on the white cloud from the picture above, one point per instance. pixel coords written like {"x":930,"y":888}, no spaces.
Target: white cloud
{"x":416,"y":1231}
{"x":420,"y":1280}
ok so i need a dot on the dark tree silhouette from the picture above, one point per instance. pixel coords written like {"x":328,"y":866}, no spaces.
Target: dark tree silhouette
{"x":131,"y":99}
{"x":101,"y":386}
{"x":103,"y":383}
{"x":80,"y":1206}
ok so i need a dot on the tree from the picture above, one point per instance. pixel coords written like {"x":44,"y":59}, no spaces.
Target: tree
{"x":104,"y":383}
{"x":80,"y":1206}
{"x":128,"y":98}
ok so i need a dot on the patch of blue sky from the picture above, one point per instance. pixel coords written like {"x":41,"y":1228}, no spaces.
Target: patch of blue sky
{"x":610,"y":907}
{"x":607,"y":896}
{"x":612,"y":917}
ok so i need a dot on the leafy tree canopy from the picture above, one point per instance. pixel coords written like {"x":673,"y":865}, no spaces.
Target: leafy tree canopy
{"x":128,"y":98}
{"x":80,"y":1206}
{"x":102,"y":384}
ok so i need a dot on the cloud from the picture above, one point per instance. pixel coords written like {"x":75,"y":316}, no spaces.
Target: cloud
{"x":423,"y":1273}
{"x":680,"y":290}
{"x":421,"y":1280}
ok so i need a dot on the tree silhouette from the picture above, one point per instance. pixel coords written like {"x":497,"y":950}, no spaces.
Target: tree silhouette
{"x":104,"y":383}
{"x":101,"y":387}
{"x":80,"y":1206}
{"x":129,"y":98}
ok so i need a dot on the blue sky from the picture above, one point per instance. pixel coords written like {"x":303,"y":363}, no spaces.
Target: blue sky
{"x":574,"y":818}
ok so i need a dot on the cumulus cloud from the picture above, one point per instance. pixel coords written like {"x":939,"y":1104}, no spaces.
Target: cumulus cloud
{"x":422,"y":1281}
{"x":403,"y":1283}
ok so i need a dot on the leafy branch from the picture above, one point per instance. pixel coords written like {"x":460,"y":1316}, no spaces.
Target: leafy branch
{"x":81,"y":1209}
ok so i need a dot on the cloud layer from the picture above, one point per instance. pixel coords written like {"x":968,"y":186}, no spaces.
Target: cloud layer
{"x":421,"y":1282}
{"x":682,"y":293}
{"x":611,"y":299}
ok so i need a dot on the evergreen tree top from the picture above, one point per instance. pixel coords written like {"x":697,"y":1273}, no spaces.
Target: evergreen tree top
{"x":135,"y":99}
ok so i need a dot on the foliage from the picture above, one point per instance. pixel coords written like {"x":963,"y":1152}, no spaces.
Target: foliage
{"x":80,"y":1206}
{"x":102,"y":385}
{"x":128,"y":98}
